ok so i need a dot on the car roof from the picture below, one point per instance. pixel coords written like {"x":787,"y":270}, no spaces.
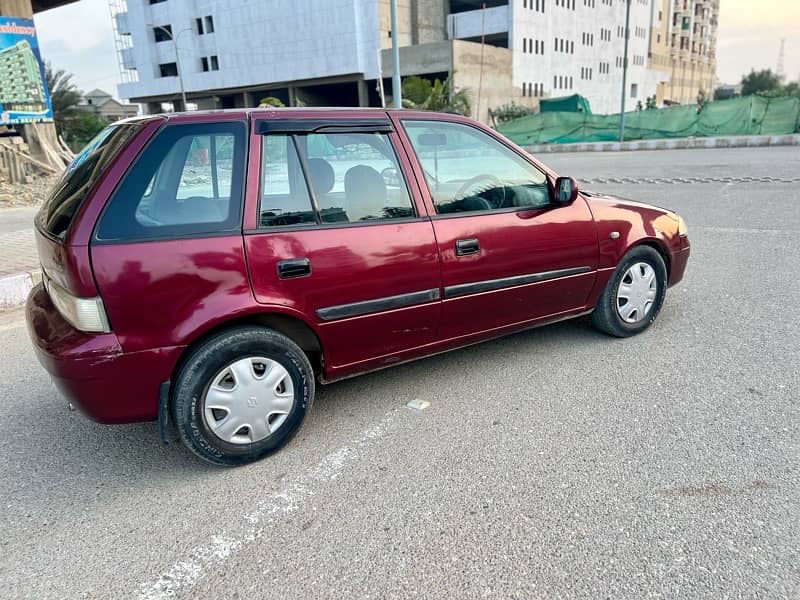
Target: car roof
{"x":332,"y":112}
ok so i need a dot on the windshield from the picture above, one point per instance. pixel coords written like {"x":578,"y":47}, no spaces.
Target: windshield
{"x":69,"y":193}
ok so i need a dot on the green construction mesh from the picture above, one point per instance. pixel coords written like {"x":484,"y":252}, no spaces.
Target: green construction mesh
{"x":574,"y":103}
{"x":751,"y":115}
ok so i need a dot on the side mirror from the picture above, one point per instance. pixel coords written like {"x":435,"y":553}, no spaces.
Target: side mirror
{"x":566,"y":191}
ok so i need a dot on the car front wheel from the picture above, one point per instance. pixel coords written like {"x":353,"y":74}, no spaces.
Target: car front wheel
{"x":242,"y":394}
{"x":634,"y":295}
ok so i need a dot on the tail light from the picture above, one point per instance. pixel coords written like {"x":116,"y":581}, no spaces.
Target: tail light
{"x":86,"y":314}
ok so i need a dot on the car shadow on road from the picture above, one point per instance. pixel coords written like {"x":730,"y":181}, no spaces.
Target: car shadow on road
{"x":77,"y":447}
{"x":539,"y":346}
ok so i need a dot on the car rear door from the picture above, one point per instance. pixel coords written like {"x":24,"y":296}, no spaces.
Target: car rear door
{"x":338,"y":237}
{"x":167,"y":251}
{"x":509,"y":256}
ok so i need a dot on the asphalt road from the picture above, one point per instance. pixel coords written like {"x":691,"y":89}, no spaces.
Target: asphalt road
{"x":553,"y":463}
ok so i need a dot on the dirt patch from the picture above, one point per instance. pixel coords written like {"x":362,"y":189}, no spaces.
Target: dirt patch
{"x":25,"y":194}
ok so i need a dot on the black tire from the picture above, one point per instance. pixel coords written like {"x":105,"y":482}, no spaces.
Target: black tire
{"x":606,"y":316}
{"x":206,"y":361}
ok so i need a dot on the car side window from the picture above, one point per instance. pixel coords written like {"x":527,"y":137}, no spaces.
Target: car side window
{"x":354,"y":177}
{"x":468,"y":170}
{"x":188,"y":181}
{"x":285,"y":199}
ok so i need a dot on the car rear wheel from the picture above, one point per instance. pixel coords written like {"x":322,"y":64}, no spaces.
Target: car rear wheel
{"x":242,"y":394}
{"x":634,"y":294}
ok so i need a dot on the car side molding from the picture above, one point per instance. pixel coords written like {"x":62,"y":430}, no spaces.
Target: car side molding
{"x":465,"y":289}
{"x":355,"y":309}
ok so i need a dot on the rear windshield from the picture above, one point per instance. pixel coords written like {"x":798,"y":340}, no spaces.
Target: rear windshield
{"x":69,"y":193}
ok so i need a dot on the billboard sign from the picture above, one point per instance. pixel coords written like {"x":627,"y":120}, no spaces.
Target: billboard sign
{"x":24,"y":97}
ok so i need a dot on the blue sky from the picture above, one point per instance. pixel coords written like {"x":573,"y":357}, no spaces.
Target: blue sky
{"x":78,"y":37}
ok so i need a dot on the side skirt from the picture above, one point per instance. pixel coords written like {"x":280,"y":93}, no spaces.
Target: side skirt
{"x":453,"y":344}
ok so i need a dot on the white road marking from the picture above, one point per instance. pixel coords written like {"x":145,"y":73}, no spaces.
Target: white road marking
{"x":744,"y":230}
{"x":418,"y":404}
{"x":188,"y":571}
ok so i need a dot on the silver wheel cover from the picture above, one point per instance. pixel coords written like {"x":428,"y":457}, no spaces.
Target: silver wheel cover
{"x":248,"y":400}
{"x":636,"y":293}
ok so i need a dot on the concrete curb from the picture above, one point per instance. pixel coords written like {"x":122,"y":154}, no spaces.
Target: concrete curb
{"x":741,"y":141}
{"x":14,"y":289}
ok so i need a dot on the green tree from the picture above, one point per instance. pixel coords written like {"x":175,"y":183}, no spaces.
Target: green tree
{"x":792,"y":89}
{"x":271,"y":102}
{"x":439,"y":96}
{"x":509,"y":112}
{"x":64,"y":95}
{"x":763,"y":81}
{"x":80,"y":128}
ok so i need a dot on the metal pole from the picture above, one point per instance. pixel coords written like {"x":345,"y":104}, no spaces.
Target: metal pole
{"x":180,"y":71}
{"x":380,"y":79}
{"x":480,"y":77}
{"x":397,"y":91}
{"x":177,"y":56}
{"x":624,"y":72}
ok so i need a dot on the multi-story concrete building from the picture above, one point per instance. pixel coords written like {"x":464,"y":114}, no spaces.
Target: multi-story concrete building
{"x":21,"y":86}
{"x":230,"y":53}
{"x":683,"y":46}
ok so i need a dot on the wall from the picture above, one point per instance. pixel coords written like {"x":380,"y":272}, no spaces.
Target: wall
{"x":16,"y":8}
{"x":495,"y":85}
{"x":256,"y":43}
{"x":418,"y":22}
{"x":463,"y":60}
{"x":557,"y":22}
{"x":473,"y":23}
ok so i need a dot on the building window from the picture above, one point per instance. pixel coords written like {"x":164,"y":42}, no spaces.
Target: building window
{"x":204,"y":25}
{"x":204,"y":63}
{"x":634,"y":90}
{"x":162,"y":33}
{"x":214,"y":63}
{"x":168,"y":69}
{"x":157,"y":1}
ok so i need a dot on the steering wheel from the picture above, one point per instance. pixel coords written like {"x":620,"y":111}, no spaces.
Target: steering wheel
{"x":496,"y":183}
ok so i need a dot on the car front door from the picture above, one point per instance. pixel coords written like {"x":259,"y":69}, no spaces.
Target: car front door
{"x":509,"y":255}
{"x":340,"y":239}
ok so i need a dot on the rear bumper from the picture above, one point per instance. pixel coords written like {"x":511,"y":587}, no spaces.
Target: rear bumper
{"x":92,"y":371}
{"x":678,"y":260}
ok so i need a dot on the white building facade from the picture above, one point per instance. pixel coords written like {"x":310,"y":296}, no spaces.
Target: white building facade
{"x":229,"y":53}
{"x":564,"y":47}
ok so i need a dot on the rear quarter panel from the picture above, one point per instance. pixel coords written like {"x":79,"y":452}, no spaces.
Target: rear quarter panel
{"x":166,"y":293}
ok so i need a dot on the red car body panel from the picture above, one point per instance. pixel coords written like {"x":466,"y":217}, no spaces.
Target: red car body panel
{"x":166,"y":293}
{"x":162,"y":296}
{"x":92,"y":371}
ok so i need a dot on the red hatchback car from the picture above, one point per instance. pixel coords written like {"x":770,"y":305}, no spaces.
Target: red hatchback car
{"x":209,"y":268}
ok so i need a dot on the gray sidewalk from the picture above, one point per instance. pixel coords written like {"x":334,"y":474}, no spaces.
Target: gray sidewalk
{"x":19,"y":264}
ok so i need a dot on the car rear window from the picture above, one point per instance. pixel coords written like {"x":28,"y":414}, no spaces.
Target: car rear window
{"x":69,"y":193}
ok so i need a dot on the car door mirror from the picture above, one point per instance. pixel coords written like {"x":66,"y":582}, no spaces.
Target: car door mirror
{"x":565,"y":191}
